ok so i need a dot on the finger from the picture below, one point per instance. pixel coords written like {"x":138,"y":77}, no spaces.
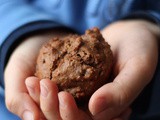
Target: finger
{"x":49,"y":100}
{"x":33,"y":87}
{"x":106,"y":108}
{"x":67,"y":106}
{"x":121,"y":92}
{"x":69,"y":109}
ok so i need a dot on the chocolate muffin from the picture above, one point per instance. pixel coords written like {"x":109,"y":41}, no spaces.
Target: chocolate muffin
{"x":78,"y":64}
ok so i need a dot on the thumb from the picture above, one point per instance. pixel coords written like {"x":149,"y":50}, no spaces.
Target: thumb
{"x":111,"y":99}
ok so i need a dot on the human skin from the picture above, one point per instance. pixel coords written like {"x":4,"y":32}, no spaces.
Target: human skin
{"x":135,"y":49}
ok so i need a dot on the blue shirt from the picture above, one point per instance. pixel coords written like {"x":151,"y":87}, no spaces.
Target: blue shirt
{"x":20,"y":17}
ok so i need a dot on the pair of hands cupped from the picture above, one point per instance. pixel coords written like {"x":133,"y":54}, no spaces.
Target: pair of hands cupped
{"x":135,"y":49}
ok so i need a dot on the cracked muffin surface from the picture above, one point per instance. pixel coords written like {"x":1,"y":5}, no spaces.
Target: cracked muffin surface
{"x":78,"y":64}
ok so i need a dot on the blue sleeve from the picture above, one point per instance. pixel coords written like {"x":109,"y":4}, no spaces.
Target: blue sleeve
{"x":152,"y":16}
{"x":149,"y":10}
{"x":18,"y":17}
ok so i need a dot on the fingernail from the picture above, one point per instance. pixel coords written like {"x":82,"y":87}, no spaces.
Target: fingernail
{"x":44,"y":89}
{"x":27,"y":115}
{"x":101,"y":105}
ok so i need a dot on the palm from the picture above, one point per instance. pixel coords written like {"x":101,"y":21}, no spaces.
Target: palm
{"x":133,"y":47}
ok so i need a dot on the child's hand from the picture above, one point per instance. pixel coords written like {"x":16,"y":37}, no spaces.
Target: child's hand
{"x":135,"y":49}
{"x":20,"y":66}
